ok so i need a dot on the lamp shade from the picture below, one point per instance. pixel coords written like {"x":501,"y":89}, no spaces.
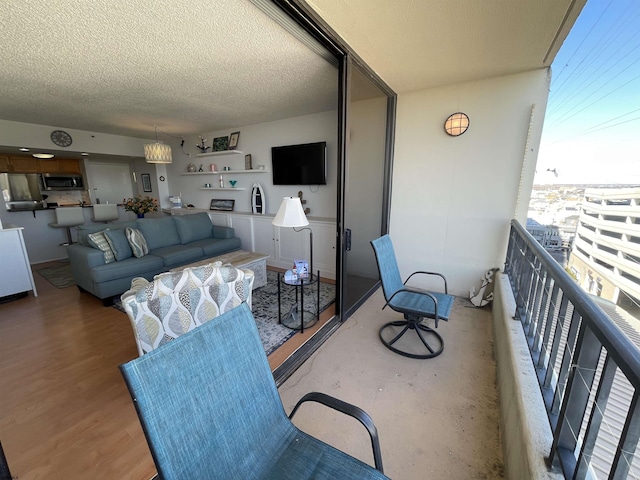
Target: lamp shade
{"x":290,"y":214}
{"x":157,"y":153}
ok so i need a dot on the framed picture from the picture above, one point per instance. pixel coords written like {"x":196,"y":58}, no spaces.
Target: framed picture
{"x":146,"y":182}
{"x":247,"y":162}
{"x":225,"y":205}
{"x":233,"y":140}
{"x":220,"y":144}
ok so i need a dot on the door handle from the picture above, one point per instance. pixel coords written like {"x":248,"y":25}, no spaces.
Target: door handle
{"x":347,"y":239}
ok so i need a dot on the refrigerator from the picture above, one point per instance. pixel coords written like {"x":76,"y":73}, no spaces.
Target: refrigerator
{"x":21,"y":191}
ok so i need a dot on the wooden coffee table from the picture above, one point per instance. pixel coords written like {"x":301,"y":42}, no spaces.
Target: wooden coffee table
{"x":257,"y":262}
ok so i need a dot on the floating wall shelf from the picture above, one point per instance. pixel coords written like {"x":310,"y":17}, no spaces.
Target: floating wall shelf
{"x":221,"y":152}
{"x":225,"y":172}
{"x":229,"y":189}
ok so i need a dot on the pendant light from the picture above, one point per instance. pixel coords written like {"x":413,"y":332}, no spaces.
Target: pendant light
{"x":157,"y":152}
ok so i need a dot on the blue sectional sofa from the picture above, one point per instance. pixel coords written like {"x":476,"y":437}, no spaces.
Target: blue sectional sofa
{"x":172,"y":241}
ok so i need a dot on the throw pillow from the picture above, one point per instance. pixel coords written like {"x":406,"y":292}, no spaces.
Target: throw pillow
{"x":119,"y":244}
{"x":99,"y":240}
{"x":137,"y":242}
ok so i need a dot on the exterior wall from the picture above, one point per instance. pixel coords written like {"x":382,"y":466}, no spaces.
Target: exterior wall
{"x":453,"y":197}
{"x":607,"y":244}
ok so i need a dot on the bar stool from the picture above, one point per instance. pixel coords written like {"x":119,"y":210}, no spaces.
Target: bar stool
{"x":105,"y":212}
{"x":67,"y":217}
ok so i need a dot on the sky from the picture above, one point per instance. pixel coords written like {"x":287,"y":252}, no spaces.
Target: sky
{"x":592,"y":126}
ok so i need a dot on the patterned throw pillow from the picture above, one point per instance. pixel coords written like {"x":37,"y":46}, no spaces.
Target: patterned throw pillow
{"x":99,"y":240}
{"x":137,"y":242}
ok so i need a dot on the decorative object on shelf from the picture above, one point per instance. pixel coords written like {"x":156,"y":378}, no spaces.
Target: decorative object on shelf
{"x":260,"y":167}
{"x":307,"y":210}
{"x":200,"y":169}
{"x":220,"y":144}
{"x":191,"y":168}
{"x":226,"y":169}
{"x":207,"y":185}
{"x":146,"y":182}
{"x":202,"y":145}
{"x":140,"y":205}
{"x":291,"y":215}
{"x":224,"y":205}
{"x":247,"y":162}
{"x":61,"y":138}
{"x":258,"y":200}
{"x":221,"y":181}
{"x":233,"y":183}
{"x":233,"y":140}
{"x":212,"y":167}
{"x":456,"y":124}
{"x":157,"y":152}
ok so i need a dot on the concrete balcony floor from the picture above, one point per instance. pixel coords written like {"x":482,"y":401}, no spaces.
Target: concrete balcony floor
{"x":436,"y":418}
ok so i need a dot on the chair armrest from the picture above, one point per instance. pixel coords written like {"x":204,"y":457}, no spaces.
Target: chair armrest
{"x":351,"y":410}
{"x":430,"y":273}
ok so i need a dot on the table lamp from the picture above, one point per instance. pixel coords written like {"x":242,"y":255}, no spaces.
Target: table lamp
{"x":290,"y":214}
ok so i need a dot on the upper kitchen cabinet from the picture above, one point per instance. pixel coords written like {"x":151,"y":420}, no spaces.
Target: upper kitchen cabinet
{"x":24,"y":165}
{"x":34,"y":165}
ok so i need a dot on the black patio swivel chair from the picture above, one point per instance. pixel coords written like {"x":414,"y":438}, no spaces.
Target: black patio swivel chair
{"x":210,"y":409}
{"x":414,"y":303}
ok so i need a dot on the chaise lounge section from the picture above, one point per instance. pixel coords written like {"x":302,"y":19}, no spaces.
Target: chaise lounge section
{"x":105,"y":260}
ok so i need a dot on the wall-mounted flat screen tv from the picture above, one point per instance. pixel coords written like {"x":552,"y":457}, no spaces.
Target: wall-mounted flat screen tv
{"x":304,"y":164}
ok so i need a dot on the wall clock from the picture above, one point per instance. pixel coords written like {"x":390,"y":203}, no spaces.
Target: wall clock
{"x":61,"y":138}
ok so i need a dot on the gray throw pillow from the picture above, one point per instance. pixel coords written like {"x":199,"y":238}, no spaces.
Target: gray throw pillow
{"x":119,"y":244}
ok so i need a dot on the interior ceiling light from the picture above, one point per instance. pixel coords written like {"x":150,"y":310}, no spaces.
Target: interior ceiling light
{"x":24,"y":149}
{"x":43,"y":155}
{"x":456,"y":124}
{"x":84,"y":154}
{"x":157,"y":152}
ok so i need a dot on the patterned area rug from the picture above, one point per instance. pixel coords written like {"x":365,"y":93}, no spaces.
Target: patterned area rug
{"x":59,"y":275}
{"x":265,"y":309}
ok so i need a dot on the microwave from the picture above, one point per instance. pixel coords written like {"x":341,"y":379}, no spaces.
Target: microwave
{"x":55,"y":181}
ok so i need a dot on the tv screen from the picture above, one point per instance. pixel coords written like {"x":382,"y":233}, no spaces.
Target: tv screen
{"x":304,"y":164}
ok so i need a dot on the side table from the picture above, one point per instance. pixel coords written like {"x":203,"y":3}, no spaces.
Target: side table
{"x":297,"y":318}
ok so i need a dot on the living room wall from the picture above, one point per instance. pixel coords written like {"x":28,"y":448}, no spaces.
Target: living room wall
{"x":454,"y":197}
{"x":257,"y":140}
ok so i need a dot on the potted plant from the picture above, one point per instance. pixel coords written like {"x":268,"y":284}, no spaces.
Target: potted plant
{"x":140,"y":205}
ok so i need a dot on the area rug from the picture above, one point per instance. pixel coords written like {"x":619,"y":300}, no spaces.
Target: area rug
{"x":58,"y":275}
{"x":265,"y":309}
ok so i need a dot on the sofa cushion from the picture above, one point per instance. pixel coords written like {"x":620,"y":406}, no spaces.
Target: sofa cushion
{"x":137,"y":242}
{"x":176,"y":255}
{"x":119,"y":244}
{"x":85,"y":230}
{"x":159,"y":232}
{"x":99,"y":240}
{"x":129,"y":268}
{"x":193,"y":227}
{"x":217,"y":246}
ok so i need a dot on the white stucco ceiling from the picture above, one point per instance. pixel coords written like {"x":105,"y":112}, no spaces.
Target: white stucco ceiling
{"x":196,"y":66}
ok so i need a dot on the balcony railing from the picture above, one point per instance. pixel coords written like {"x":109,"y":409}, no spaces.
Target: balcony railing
{"x":587,"y":368}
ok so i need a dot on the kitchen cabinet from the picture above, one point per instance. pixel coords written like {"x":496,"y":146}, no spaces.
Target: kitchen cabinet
{"x":34,"y":165}
{"x":24,"y":165}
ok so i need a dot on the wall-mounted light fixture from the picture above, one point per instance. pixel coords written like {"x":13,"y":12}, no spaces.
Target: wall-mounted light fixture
{"x":456,"y":124}
{"x":157,"y":152}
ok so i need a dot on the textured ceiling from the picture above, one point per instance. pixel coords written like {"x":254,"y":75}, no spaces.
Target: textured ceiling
{"x":196,"y":66}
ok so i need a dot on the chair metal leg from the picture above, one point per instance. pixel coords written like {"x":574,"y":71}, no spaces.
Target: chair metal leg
{"x":413,"y":323}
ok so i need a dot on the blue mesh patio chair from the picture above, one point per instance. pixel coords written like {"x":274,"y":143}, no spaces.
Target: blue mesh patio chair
{"x":414,"y":303}
{"x":210,"y":409}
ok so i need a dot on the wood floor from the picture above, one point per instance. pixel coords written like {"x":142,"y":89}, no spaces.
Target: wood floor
{"x":65,"y":411}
